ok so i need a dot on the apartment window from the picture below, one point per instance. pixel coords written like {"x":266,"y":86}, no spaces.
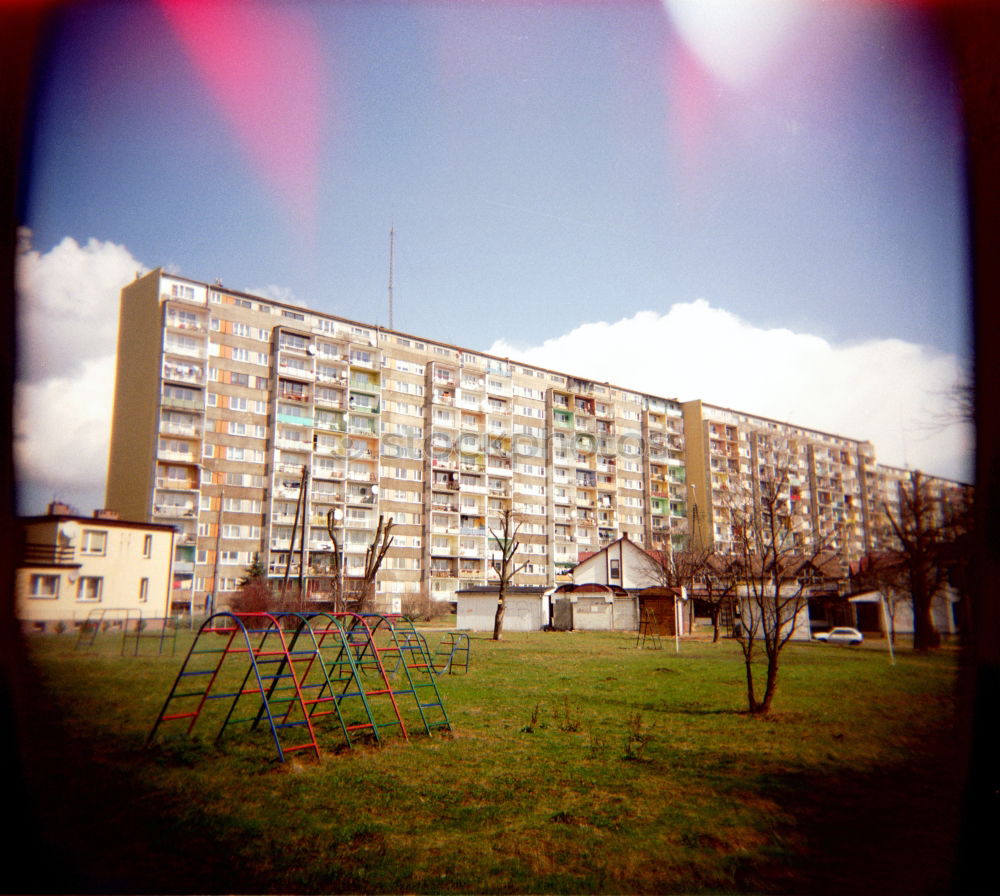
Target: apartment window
{"x":178,"y":291}
{"x":89,"y":588}
{"x":147,"y":546}
{"x":44,"y":587}
{"x":94,"y":542}
{"x":143,"y":590}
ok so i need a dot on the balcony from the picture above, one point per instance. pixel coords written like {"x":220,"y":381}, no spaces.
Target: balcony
{"x":472,"y":530}
{"x":185,"y":404}
{"x":295,"y":373}
{"x":295,"y":419}
{"x":49,"y":555}
{"x":191,"y":326}
{"x":327,"y":473}
{"x":176,"y":429}
{"x":325,"y":401}
{"x":175,"y":511}
{"x":185,"y":485}
{"x":184,"y":351}
{"x":180,"y":373}
{"x":176,"y":456}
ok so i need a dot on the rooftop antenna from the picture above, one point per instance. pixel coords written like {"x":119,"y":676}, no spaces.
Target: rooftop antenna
{"x":392,"y":240}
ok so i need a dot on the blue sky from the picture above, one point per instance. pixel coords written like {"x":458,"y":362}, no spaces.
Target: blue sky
{"x":547,"y":165}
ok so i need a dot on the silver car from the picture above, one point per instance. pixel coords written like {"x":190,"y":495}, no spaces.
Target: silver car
{"x":841,"y":636}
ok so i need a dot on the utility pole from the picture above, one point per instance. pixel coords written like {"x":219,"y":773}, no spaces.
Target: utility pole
{"x":210,"y":608}
{"x":392,"y":241}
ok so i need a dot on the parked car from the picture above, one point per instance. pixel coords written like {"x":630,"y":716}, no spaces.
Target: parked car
{"x":840,"y":636}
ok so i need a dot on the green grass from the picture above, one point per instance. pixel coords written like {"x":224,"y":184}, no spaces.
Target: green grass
{"x":577,"y":764}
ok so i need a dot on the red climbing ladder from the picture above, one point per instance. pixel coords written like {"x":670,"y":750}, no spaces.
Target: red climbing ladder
{"x":240,"y":660}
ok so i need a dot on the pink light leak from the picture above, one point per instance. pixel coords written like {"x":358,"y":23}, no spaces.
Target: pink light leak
{"x":262,"y":63}
{"x":690,"y":91}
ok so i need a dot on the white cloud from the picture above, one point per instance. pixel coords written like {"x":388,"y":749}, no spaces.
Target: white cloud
{"x":68,"y":303}
{"x":68,"y":327}
{"x":889,"y":392}
{"x":276,"y":293}
{"x":63,"y":425}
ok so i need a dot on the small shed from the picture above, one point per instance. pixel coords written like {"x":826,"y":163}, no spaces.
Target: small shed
{"x":527,"y":608}
{"x":594,"y":607}
{"x":666,"y":607}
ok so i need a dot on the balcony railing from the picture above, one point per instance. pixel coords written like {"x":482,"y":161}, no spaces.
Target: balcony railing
{"x":174,"y":429}
{"x":176,"y":484}
{"x":174,"y":510}
{"x":48,"y":555}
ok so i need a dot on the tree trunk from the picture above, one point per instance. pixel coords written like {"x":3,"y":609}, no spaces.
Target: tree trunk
{"x":751,"y":699}
{"x":716,"y":612}
{"x":770,"y":686}
{"x":925,"y":636}
{"x":498,"y":619}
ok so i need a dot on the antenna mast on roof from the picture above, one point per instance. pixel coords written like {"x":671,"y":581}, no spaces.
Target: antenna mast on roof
{"x":392,"y":240}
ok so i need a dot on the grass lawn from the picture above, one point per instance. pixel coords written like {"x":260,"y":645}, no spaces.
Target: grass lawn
{"x":577,"y":764}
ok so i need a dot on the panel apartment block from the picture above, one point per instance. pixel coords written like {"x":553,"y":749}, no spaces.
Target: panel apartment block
{"x":262,"y":429}
{"x":254,"y":427}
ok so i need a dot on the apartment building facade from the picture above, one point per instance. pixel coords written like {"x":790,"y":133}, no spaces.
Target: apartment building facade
{"x":829,"y":482}
{"x":256,"y":427}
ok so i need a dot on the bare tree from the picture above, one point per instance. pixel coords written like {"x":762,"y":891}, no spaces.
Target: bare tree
{"x":702,"y":572}
{"x":716,"y":587}
{"x":771,"y":567}
{"x":930,"y":531}
{"x":886,"y":573}
{"x":503,"y":563}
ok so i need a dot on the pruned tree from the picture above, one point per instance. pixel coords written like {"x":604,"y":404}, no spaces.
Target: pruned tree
{"x":503,"y":563}
{"x":374,"y":555}
{"x":336,"y":573}
{"x":356,"y":592}
{"x":770,"y":556}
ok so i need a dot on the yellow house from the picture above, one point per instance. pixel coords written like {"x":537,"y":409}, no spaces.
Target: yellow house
{"x":69,"y":565}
